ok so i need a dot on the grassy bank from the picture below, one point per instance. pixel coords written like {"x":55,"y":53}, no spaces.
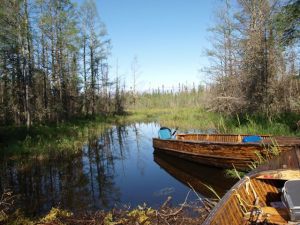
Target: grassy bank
{"x":196,"y":118}
{"x":70,"y":136}
{"x":65,"y":137}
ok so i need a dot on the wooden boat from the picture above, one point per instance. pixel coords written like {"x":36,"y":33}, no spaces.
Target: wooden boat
{"x":223,"y":150}
{"x":257,"y":198}
{"x":196,"y":175}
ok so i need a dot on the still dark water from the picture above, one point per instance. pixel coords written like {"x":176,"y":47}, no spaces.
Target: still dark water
{"x":115,"y":169}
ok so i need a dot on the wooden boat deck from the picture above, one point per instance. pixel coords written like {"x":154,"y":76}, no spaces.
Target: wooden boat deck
{"x":238,"y":205}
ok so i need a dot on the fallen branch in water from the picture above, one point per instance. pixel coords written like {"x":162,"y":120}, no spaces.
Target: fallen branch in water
{"x":177,"y":211}
{"x":166,"y":202}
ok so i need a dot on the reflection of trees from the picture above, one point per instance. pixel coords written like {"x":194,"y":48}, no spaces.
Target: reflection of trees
{"x":81,"y":181}
{"x":101,"y":162}
{"x":140,"y":160}
{"x":85,"y":180}
{"x":41,"y":184}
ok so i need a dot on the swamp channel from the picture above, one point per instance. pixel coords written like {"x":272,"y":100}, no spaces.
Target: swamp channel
{"x":117,"y":168}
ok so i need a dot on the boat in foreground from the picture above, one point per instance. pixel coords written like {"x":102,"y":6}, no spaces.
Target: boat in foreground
{"x":268,"y":195}
{"x":224,"y":150}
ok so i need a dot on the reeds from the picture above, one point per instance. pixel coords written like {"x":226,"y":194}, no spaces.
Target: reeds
{"x":67,"y":138}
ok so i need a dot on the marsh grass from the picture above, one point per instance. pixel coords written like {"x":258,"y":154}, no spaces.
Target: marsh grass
{"x":66,"y":138}
{"x":234,"y":173}
{"x":189,"y":118}
{"x":184,"y":118}
{"x":282,"y":125}
{"x":186,"y":109}
{"x":269,"y":151}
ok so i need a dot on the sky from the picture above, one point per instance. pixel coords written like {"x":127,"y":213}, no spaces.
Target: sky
{"x":168,"y":37}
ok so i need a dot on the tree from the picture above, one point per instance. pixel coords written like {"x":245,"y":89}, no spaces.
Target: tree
{"x":40,"y":68}
{"x":96,"y":49}
{"x":248,"y":64}
{"x":135,"y":70}
{"x":225,"y":59}
{"x":17,"y":61}
{"x":287,"y":22}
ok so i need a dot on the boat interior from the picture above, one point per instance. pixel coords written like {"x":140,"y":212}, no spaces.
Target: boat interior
{"x":259,"y":200}
{"x":263,"y":196}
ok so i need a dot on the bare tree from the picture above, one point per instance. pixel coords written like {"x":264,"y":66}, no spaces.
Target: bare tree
{"x":135,"y":70}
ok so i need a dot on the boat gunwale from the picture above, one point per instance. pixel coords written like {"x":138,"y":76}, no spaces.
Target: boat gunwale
{"x":259,"y":171}
{"x":261,"y":144}
{"x":251,"y":175}
{"x":243,"y":135}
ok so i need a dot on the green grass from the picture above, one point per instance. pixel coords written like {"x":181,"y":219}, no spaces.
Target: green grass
{"x":175,"y":113}
{"x":196,"y":118}
{"x":183,"y":118}
{"x":283,"y":125}
{"x":63,"y":138}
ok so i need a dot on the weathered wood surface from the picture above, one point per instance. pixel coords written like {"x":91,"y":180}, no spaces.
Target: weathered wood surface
{"x":238,"y":203}
{"x":216,"y":137}
{"x":237,"y":138}
{"x":222,"y":150}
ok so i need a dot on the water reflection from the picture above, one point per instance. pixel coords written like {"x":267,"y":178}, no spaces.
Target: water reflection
{"x":113,"y":168}
{"x":198,"y":176}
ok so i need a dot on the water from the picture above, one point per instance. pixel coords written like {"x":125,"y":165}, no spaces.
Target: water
{"x":117,"y":168}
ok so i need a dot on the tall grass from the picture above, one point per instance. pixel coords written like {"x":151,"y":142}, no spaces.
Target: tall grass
{"x":183,"y":118}
{"x":63,"y":138}
{"x":186,"y":110}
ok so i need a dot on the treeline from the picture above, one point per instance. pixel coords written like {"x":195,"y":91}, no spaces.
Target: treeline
{"x":255,"y":58}
{"x":53,"y":62}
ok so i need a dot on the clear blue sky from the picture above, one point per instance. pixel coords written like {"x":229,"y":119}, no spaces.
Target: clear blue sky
{"x":167,"y":36}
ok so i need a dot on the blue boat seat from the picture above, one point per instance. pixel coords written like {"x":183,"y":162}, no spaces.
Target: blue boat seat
{"x":252,"y":139}
{"x":165,"y":133}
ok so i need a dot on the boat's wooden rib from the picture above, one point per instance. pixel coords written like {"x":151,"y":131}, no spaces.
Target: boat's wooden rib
{"x":256,"y":199}
{"x":222,"y":150}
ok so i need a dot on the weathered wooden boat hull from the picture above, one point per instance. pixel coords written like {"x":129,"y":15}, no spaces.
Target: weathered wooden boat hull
{"x":256,"y":198}
{"x":217,"y":152}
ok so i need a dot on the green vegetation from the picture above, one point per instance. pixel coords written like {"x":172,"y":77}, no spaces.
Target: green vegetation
{"x":284,"y":125}
{"x":182,"y":110}
{"x":51,"y":139}
{"x":72,"y":135}
{"x":183,"y":118}
{"x":190,"y":109}
{"x":53,"y":68}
